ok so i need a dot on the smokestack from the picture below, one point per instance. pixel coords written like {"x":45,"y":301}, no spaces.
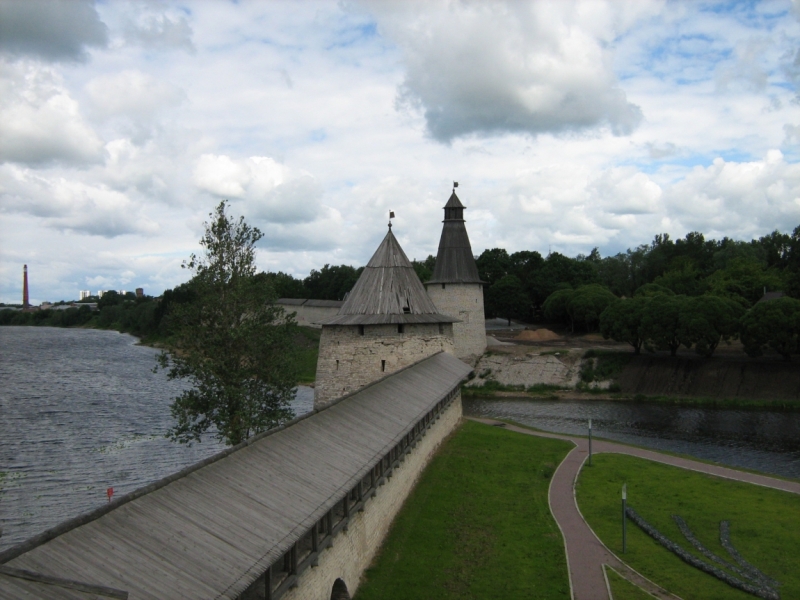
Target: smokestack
{"x":25,"y":303}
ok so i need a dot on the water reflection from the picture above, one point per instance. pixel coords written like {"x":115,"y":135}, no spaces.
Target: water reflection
{"x":763,"y":440}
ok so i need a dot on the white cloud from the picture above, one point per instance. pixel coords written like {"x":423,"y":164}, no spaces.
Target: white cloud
{"x":270,"y":191}
{"x":71,"y":205}
{"x":132,"y":93}
{"x":498,"y":67}
{"x":738,"y":199}
{"x":39,"y":120}
{"x":625,"y":191}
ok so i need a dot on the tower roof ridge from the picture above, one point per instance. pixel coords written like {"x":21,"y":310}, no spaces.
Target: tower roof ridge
{"x":388,"y":291}
{"x":454,"y":202}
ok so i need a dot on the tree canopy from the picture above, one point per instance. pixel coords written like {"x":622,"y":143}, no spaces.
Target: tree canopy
{"x":234,"y":346}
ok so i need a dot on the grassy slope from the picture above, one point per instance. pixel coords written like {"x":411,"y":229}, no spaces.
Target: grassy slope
{"x":764,"y":522}
{"x":477,"y":525}
{"x":622,"y":589}
{"x":307,"y":349}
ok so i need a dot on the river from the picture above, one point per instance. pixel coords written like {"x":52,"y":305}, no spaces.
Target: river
{"x":81,"y":411}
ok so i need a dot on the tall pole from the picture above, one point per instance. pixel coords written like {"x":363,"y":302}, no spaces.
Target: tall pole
{"x":624,"y":519}
{"x":590,"y":442}
{"x":25,"y":302}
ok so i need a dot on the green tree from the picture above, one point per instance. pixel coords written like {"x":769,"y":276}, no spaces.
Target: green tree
{"x":775,"y":324}
{"x":234,"y":346}
{"x":493,"y":265}
{"x":555,"y":306}
{"x":424,"y":268}
{"x":622,"y":321}
{"x":507,"y":299}
{"x":707,"y":320}
{"x":661,"y":321}
{"x":331,"y":282}
{"x":587,"y":303}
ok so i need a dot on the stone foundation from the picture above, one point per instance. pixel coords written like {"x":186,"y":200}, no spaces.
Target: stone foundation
{"x":352,"y":356}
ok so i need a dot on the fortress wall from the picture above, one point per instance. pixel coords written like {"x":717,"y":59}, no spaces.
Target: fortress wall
{"x":353,"y":550}
{"x":348,"y":360}
{"x":308,"y":316}
{"x":463,"y":301}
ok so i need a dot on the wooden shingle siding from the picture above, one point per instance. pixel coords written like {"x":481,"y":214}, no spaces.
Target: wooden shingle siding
{"x":213,"y":531}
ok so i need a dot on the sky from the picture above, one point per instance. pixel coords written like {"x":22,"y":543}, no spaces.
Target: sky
{"x":569,"y":125}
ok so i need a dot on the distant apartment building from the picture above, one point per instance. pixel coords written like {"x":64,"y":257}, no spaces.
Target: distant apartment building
{"x":140,"y":292}
{"x":86,"y":294}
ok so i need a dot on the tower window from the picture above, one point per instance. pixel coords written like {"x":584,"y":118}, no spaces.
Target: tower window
{"x":383,"y":366}
{"x":401,"y":329}
{"x":360,"y":330}
{"x":337,"y":365}
{"x":442,"y":286}
{"x":441,"y":329}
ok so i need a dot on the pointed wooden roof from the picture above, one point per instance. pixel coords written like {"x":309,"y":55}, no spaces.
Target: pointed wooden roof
{"x":388,"y":291}
{"x":454,"y":261}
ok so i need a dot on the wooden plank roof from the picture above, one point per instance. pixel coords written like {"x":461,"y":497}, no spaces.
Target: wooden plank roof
{"x":212,"y":529}
{"x":388,"y":291}
{"x":454,"y":261}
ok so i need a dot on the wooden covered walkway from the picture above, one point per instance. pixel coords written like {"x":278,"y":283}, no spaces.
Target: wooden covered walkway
{"x":247,"y":521}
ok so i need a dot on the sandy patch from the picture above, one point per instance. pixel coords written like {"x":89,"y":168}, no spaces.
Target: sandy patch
{"x":538,"y":335}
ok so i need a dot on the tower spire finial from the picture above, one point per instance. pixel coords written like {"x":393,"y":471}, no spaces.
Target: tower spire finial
{"x":391,"y":216}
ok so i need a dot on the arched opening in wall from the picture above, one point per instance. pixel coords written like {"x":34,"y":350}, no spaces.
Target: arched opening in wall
{"x":339,"y":591}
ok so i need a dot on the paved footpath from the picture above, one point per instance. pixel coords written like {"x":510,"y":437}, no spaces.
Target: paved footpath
{"x":586,"y":554}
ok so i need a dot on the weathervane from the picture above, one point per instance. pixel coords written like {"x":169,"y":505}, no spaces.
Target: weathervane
{"x":455,"y":185}
{"x":391,"y":216}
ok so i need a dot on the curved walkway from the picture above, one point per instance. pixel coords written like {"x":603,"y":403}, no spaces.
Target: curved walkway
{"x":586,"y":554}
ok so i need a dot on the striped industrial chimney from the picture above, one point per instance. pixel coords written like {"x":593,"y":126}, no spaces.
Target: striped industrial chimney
{"x":25,"y":303}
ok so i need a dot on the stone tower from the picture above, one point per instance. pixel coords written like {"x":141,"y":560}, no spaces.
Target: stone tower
{"x":386,"y":323}
{"x":456,"y":288}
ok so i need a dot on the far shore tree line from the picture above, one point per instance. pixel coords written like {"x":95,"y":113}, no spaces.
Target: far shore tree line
{"x":710,"y":289}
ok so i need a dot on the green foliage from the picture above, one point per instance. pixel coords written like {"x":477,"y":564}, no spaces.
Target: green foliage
{"x":764,"y":522}
{"x":661,"y":321}
{"x":774,"y":324}
{"x":331,"y":282}
{"x":424,"y":268}
{"x":587,"y":304}
{"x":555,"y":306}
{"x":493,"y":265}
{"x":285,"y":285}
{"x":477,"y":525}
{"x":652,"y":289}
{"x":744,"y":281}
{"x":507,"y":299}
{"x":707,"y":320}
{"x":603,"y":365}
{"x":622,"y":321}
{"x":235,"y":347}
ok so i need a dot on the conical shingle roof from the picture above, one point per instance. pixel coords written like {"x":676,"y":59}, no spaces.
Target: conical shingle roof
{"x":388,"y":291}
{"x":454,"y":261}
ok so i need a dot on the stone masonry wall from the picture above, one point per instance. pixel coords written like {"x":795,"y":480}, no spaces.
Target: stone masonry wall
{"x":463,"y":301}
{"x":348,"y":360}
{"x":308,"y":316}
{"x":353,"y":550}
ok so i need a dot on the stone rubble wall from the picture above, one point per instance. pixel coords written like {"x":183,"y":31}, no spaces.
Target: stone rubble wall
{"x":308,"y":316}
{"x":353,"y":550}
{"x":463,"y":301}
{"x":348,"y":360}
{"x":529,"y":369}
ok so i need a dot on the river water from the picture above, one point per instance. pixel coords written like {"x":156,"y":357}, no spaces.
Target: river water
{"x":82,"y":411}
{"x":762,"y":440}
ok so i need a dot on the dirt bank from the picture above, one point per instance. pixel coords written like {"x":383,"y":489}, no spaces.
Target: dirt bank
{"x":716,"y":377}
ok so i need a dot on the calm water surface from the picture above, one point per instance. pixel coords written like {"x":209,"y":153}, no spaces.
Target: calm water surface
{"x":81,"y":411}
{"x":763,"y":440}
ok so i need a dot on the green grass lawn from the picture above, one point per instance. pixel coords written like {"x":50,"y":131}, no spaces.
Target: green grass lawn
{"x":764,"y":523}
{"x":622,"y":589}
{"x":478,"y":525}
